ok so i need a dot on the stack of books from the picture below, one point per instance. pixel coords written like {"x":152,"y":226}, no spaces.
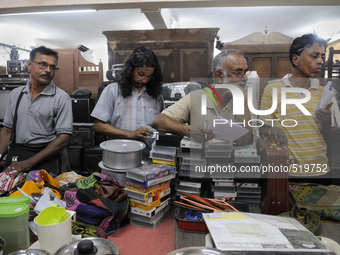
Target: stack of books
{"x":149,"y":193}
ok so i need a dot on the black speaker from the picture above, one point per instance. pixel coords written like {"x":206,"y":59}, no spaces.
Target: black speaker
{"x":81,"y":109}
{"x":92,"y":157}
{"x":81,"y":93}
{"x":75,"y":157}
{"x":102,"y":86}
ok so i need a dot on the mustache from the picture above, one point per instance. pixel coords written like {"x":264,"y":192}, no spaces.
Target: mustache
{"x":45,"y":75}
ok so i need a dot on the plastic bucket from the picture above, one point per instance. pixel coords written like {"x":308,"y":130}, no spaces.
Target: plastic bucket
{"x":52,"y":237}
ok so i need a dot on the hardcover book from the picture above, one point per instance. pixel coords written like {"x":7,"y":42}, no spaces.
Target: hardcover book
{"x":150,"y":172}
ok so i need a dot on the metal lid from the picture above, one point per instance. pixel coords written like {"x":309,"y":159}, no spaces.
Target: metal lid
{"x":122,"y":146}
{"x":198,"y":250}
{"x":30,"y":252}
{"x":104,"y":246}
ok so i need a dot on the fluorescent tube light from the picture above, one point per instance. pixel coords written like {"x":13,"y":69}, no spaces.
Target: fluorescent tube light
{"x":49,"y":12}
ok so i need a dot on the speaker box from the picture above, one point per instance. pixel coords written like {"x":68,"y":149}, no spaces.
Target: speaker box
{"x":92,"y":157}
{"x":102,"y":86}
{"x":75,"y":157}
{"x":81,"y":109}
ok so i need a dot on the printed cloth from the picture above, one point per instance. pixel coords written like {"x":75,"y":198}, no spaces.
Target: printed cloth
{"x":322,"y":200}
{"x":6,"y":180}
{"x":34,"y":182}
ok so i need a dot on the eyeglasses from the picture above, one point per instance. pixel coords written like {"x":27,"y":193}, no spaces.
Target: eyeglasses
{"x":240,"y":73}
{"x":142,"y":76}
{"x":44,"y":65}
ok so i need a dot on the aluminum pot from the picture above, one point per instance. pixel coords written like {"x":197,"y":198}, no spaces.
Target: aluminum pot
{"x":30,"y":252}
{"x":122,"y":154}
{"x":88,"y":246}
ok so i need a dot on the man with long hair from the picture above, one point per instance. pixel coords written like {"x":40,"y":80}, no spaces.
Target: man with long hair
{"x":126,"y":109}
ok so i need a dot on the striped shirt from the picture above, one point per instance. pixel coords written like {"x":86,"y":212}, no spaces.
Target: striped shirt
{"x":305,"y":142}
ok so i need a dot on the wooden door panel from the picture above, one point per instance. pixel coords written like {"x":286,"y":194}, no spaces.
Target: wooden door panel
{"x":166,"y":59}
{"x":65,"y":76}
{"x":194,"y":63}
{"x":283,"y":67}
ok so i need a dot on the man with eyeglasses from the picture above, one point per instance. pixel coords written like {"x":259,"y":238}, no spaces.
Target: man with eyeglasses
{"x":228,"y":67}
{"x":126,"y":109}
{"x":44,"y":113}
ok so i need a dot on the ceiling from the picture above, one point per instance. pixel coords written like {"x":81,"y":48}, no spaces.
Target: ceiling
{"x":68,"y":30}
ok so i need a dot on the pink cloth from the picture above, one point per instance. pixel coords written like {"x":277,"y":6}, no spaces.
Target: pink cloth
{"x":6,"y":180}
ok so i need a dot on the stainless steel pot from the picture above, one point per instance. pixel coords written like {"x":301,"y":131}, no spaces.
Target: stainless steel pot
{"x":88,"y":246}
{"x":30,"y":252}
{"x":122,"y":154}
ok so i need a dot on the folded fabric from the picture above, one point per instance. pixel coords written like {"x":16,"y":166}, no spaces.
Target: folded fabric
{"x":90,"y":214}
{"x":7,"y":181}
{"x":98,"y":199}
{"x":83,"y":229}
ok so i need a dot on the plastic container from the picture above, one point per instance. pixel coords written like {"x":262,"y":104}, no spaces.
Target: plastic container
{"x":218,"y":154}
{"x":52,"y":237}
{"x":14,"y":226}
{"x":154,"y":224}
{"x":194,"y":161}
{"x":164,"y":149}
{"x":51,"y":215}
{"x":218,"y":146}
{"x":247,"y":159}
{"x":161,"y":155}
{"x":14,"y":200}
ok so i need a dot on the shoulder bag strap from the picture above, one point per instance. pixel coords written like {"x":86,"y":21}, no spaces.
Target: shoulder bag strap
{"x":14,"y":126}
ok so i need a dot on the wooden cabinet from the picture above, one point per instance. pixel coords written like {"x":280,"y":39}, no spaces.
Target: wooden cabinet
{"x":182,"y":53}
{"x":77,"y":73}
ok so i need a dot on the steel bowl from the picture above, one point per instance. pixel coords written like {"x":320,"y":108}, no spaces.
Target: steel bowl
{"x":122,"y":154}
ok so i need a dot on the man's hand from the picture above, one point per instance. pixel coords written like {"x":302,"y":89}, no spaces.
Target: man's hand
{"x":141,"y":132}
{"x":19,"y":167}
{"x":199,"y":133}
{"x":323,"y":115}
{"x":279,"y":135}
